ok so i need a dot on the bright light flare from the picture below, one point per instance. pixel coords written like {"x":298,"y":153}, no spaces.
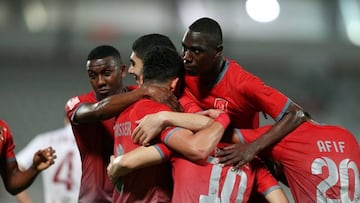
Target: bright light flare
{"x":263,"y":11}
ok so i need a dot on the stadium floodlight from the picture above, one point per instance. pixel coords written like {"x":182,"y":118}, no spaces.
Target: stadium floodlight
{"x":263,"y":11}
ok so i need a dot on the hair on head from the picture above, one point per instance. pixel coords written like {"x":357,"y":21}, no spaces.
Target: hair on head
{"x":207,"y":26}
{"x":146,"y":42}
{"x":103,"y":51}
{"x":162,"y":64}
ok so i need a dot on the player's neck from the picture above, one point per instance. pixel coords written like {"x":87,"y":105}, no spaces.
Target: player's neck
{"x":213,"y":77}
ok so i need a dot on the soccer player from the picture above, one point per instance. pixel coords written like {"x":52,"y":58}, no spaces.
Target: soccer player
{"x":61,"y":183}
{"x":213,"y":81}
{"x":95,"y":139}
{"x":192,"y":182}
{"x":15,"y":180}
{"x":92,"y":123}
{"x":321,"y":162}
{"x":150,"y":184}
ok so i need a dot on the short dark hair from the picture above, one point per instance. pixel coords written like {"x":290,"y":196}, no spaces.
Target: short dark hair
{"x":146,"y":42}
{"x":103,"y":51}
{"x":208,"y":26}
{"x":162,"y":64}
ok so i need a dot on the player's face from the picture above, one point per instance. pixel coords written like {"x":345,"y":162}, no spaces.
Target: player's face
{"x":199,"y":53}
{"x":105,"y":76}
{"x":136,"y":67}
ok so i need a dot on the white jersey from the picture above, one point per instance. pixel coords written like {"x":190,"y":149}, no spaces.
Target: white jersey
{"x":61,"y":181}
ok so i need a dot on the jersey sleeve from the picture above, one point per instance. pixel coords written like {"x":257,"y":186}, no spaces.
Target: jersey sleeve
{"x":163,"y":150}
{"x":71,"y":106}
{"x":265,"y":98}
{"x":7,"y":145}
{"x":189,"y":104}
{"x":167,"y":132}
{"x":265,"y":182}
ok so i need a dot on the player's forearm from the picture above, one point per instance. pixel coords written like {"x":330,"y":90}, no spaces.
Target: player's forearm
{"x":277,"y":196}
{"x":19,"y":181}
{"x":196,"y":147}
{"x":193,"y":122}
{"x":205,"y":141}
{"x":108,"y":107}
{"x":291,"y":120}
{"x":138,"y":158}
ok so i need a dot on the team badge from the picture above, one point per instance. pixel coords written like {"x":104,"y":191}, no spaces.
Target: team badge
{"x":221,"y":104}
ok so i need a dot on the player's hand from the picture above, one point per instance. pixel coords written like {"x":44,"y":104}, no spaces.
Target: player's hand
{"x":44,"y":158}
{"x":236,"y":155}
{"x":148,"y":128}
{"x":212,"y":113}
{"x":163,"y":95}
{"x":111,"y":168}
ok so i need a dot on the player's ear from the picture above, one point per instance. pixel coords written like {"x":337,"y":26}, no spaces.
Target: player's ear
{"x":173,"y":84}
{"x":123,"y":71}
{"x":219,"y":50}
{"x":141,"y":80}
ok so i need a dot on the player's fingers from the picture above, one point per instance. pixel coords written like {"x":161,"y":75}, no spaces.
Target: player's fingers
{"x":225,"y":160}
{"x":239,"y":164}
{"x":223,"y":152}
{"x":135,"y":135}
{"x":137,"y":121}
{"x":229,"y":147}
{"x":141,"y":140}
{"x":146,"y":141}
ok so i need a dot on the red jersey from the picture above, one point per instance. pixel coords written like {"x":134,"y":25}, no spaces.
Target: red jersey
{"x":321,"y":162}
{"x":150,"y":184}
{"x":240,"y":94}
{"x":212,"y":183}
{"x":95,"y":142}
{"x":7,"y":145}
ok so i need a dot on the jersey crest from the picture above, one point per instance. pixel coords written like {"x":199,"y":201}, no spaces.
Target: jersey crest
{"x":221,"y":104}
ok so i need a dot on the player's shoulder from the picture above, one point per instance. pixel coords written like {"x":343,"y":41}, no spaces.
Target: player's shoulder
{"x":83,"y":98}
{"x":235,"y":70}
{"x":4,"y":124}
{"x":149,"y":104}
{"x":5,"y":130}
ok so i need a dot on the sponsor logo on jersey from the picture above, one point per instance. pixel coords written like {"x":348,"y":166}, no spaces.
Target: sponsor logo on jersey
{"x":122,"y":129}
{"x":72,"y":102}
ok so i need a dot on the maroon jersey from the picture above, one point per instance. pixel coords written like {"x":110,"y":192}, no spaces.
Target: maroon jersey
{"x":95,"y":142}
{"x":321,"y":162}
{"x":7,"y":145}
{"x":150,"y":184}
{"x":240,"y":94}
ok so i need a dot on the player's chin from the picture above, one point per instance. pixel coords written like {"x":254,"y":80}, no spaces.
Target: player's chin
{"x":191,"y":71}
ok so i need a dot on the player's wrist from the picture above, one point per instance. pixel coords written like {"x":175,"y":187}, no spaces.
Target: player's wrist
{"x":117,"y":160}
{"x":35,"y":167}
{"x":223,"y":119}
{"x":164,"y":119}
